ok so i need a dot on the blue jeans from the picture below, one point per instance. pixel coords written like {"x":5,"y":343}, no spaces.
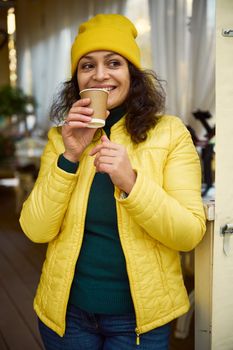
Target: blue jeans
{"x":88,"y":331}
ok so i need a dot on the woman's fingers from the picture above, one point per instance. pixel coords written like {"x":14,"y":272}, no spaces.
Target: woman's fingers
{"x":106,"y":153}
{"x":105,"y":146}
{"x":78,"y":115}
{"x":112,"y":158}
{"x":105,"y":138}
{"x":72,"y":124}
{"x":81,"y":110}
{"x":95,"y":150}
{"x":82,"y":102}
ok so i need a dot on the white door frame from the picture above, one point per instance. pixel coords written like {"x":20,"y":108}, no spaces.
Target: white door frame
{"x":214,"y":256}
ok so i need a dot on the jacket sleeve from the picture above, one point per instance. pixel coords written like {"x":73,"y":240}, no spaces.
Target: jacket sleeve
{"x":172,"y":214}
{"x":43,"y":211}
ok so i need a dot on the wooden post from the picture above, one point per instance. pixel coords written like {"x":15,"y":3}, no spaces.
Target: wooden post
{"x":203,"y":284}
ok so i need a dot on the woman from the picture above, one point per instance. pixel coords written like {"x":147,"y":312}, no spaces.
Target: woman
{"x":116,"y":205}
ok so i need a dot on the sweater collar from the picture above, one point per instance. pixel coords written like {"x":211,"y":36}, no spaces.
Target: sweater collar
{"x":115,"y":115}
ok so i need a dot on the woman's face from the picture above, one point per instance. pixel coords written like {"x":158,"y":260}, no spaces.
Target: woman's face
{"x":108,"y":70}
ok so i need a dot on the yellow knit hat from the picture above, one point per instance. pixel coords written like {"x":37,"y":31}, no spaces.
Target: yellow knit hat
{"x":110,"y":32}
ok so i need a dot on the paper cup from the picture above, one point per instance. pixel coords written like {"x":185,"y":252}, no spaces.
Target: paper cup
{"x":99,"y":99}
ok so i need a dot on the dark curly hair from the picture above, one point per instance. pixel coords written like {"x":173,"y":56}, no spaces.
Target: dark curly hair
{"x":144,"y":103}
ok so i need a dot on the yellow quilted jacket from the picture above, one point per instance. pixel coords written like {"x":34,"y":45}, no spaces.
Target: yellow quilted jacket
{"x":162,"y":215}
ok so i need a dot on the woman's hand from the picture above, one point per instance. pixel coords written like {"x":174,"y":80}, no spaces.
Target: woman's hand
{"x":113,"y":159}
{"x":75,"y":132}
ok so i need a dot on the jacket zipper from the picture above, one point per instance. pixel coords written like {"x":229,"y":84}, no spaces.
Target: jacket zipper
{"x":136,"y":329}
{"x":137,"y":337}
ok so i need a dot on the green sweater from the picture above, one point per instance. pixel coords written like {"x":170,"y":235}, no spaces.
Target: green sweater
{"x":101,"y":283}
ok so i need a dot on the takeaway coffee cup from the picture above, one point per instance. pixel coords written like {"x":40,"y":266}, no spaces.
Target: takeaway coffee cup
{"x":99,"y":99}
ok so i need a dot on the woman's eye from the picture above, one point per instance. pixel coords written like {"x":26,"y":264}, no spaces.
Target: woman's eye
{"x":87,"y":66}
{"x":114,"y":63}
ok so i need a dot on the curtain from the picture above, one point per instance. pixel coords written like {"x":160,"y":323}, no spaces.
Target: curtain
{"x":45,"y":32}
{"x":183,"y":55}
{"x":202,"y":58}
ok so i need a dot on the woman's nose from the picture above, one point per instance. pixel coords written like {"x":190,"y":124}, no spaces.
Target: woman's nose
{"x":100,"y":73}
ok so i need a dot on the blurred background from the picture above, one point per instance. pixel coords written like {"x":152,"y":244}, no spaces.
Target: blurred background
{"x":177,"y":40}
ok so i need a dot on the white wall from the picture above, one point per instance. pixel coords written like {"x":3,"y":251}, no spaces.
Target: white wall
{"x":222,"y":334}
